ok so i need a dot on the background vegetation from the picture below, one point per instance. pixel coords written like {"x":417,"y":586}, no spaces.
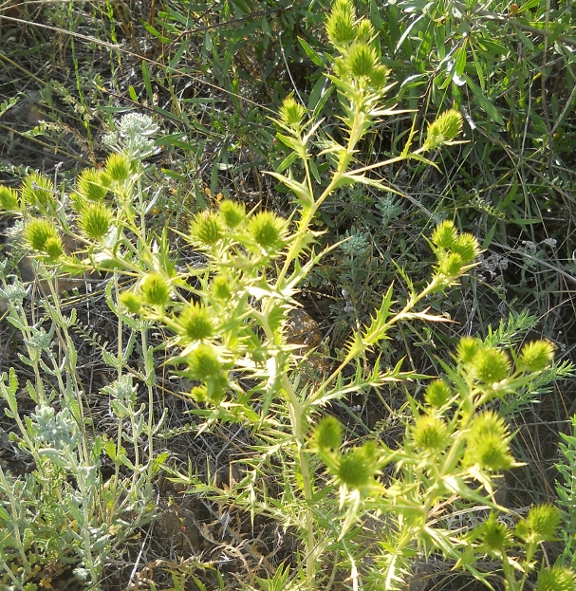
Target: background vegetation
{"x":212,"y":76}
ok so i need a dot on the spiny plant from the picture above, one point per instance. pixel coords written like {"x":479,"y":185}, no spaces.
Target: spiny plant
{"x":229,"y":321}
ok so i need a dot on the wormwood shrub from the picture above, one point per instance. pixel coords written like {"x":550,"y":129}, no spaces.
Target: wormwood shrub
{"x":364,"y":512}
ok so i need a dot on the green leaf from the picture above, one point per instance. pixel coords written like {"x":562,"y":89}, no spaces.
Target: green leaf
{"x":311,"y":53}
{"x":484,"y":103}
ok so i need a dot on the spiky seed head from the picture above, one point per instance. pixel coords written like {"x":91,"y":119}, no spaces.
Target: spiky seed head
{"x":232,"y":213}
{"x":379,"y":77}
{"x":206,"y":229}
{"x":203,"y":363}
{"x":429,"y":433}
{"x":38,"y":232}
{"x":467,"y":349}
{"x":450,"y":264}
{"x":155,"y":290}
{"x":328,"y":434}
{"x":536,"y":356}
{"x":467,"y":246}
{"x":437,"y":393}
{"x":221,"y":288}
{"x":556,"y":578}
{"x":267,"y":230}
{"x":117,"y":167}
{"x":444,"y":235}
{"x":340,"y":24}
{"x":444,"y":129}
{"x":357,"y":468}
{"x":495,"y":536}
{"x":38,"y":189}
{"x":195,"y":322}
{"x":361,"y":59}
{"x":131,"y":301}
{"x":541,"y":524}
{"x":490,"y":365}
{"x":365,"y":31}
{"x":199,"y":393}
{"x":53,"y":247}
{"x":488,"y":443}
{"x":9,"y":199}
{"x":292,"y":113}
{"x":95,"y":220}
{"x":92,"y":185}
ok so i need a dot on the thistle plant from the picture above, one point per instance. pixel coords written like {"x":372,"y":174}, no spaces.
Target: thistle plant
{"x":228,"y":323}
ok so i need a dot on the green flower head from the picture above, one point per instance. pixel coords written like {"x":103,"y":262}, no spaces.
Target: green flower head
{"x":9,"y":199}
{"x":38,"y":189}
{"x":444,"y":235}
{"x":92,"y":184}
{"x":95,"y":220}
{"x":232,"y":213}
{"x":268,"y":231}
{"x":117,"y":167}
{"x":221,"y":288}
{"x":467,"y":246}
{"x":328,"y":434}
{"x":358,"y":467}
{"x":340,"y":24}
{"x":450,"y":265}
{"x":131,"y":301}
{"x":536,"y":356}
{"x":195,"y":322}
{"x":443,"y":130}
{"x":206,"y":229}
{"x":361,"y":59}
{"x":53,"y":247}
{"x":291,"y":113}
{"x":541,"y":524}
{"x":155,"y":290}
{"x":556,"y":578}
{"x":495,"y":536}
{"x":490,"y":365}
{"x":203,"y":363}
{"x":38,"y":232}
{"x":467,"y":349}
{"x":437,"y":393}
{"x":429,"y":433}
{"x":489,"y":443}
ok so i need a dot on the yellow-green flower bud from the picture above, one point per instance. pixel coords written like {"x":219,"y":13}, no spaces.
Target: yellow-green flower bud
{"x":267,"y":230}
{"x":437,"y":393}
{"x":38,"y":189}
{"x":38,"y":232}
{"x":328,"y":434}
{"x":195,"y":323}
{"x":53,"y":247}
{"x":117,"y":167}
{"x":131,"y":301}
{"x":91,"y":185}
{"x":429,"y":433}
{"x":490,"y":365}
{"x":232,"y":213}
{"x":444,"y":129}
{"x":451,"y":264}
{"x":340,"y":24}
{"x":357,"y":468}
{"x":206,"y":229}
{"x":540,"y":525}
{"x":444,"y":235}
{"x":95,"y":221}
{"x":9,"y":199}
{"x":203,"y":363}
{"x":291,"y":113}
{"x":536,"y":356}
{"x":488,"y":443}
{"x":467,"y":349}
{"x":467,"y":246}
{"x":361,"y":59}
{"x":155,"y":290}
{"x":221,"y":287}
{"x":556,"y":578}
